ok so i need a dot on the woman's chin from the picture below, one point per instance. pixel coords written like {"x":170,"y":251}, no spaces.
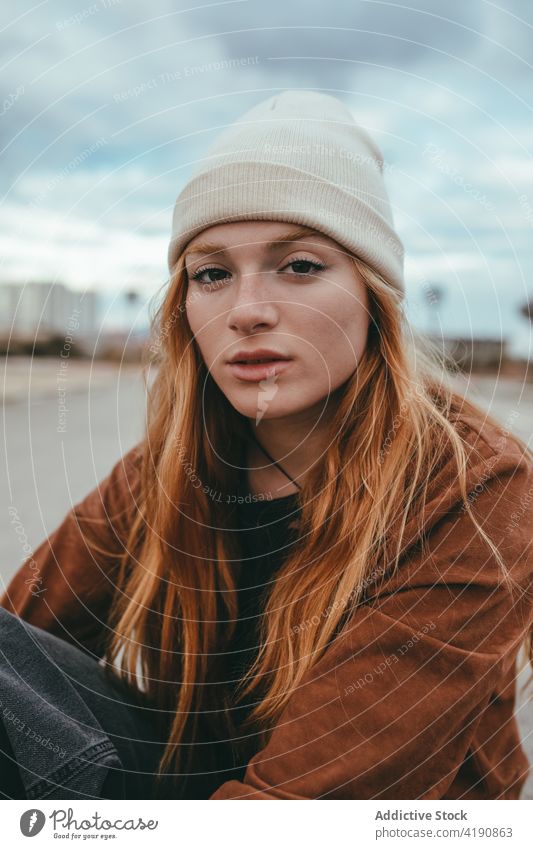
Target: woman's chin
{"x":257,"y":409}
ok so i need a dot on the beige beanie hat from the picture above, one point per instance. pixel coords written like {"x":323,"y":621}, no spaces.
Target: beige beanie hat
{"x":297,"y":157}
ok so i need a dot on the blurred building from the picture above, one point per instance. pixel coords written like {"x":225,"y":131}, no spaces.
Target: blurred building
{"x":474,"y":353}
{"x":40,"y":316}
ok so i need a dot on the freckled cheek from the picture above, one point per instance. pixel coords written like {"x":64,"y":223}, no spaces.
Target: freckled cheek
{"x":352,"y":324}
{"x":205,"y":334}
{"x":334,"y":338}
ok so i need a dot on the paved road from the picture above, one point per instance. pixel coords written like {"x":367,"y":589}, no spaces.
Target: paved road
{"x":57,"y":447}
{"x":49,"y":470}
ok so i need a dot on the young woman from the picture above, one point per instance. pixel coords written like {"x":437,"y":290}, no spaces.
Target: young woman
{"x":312,"y":578}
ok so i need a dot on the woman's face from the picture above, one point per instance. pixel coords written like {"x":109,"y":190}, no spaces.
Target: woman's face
{"x":250,"y":288}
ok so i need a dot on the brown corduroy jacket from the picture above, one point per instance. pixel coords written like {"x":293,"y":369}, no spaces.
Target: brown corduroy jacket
{"x":415,"y":698}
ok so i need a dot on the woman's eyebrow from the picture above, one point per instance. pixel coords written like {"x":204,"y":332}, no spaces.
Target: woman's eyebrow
{"x":211,"y":247}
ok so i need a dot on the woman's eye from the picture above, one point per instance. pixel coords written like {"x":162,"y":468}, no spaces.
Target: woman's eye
{"x":303,"y":266}
{"x":209,"y":270}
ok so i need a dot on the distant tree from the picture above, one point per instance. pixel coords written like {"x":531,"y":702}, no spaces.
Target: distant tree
{"x":527,"y":310}
{"x":131,"y":296}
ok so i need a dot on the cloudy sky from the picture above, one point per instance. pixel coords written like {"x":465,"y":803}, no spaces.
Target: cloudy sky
{"x":105,"y":106}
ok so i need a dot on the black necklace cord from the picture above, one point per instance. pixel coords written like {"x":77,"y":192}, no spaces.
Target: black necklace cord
{"x":265,"y":452}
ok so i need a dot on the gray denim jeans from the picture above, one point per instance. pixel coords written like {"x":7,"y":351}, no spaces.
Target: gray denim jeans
{"x":74,"y":734}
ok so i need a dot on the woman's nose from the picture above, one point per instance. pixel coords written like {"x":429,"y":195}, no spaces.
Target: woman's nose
{"x":252,"y":306}
{"x":247,"y":317}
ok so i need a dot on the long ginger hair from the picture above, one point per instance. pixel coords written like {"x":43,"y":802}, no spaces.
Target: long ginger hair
{"x":176,"y":602}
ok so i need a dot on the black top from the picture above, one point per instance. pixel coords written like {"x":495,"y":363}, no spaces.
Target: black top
{"x":265,"y":537}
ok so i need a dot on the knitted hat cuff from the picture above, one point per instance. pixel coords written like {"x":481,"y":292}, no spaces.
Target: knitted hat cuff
{"x":264,"y":191}
{"x":297,"y":157}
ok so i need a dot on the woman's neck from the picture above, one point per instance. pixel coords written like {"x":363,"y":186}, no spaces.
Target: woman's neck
{"x":265,"y":478}
{"x":295,"y":449}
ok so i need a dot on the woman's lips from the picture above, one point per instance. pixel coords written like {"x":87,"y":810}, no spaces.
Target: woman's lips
{"x":259,"y":371}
